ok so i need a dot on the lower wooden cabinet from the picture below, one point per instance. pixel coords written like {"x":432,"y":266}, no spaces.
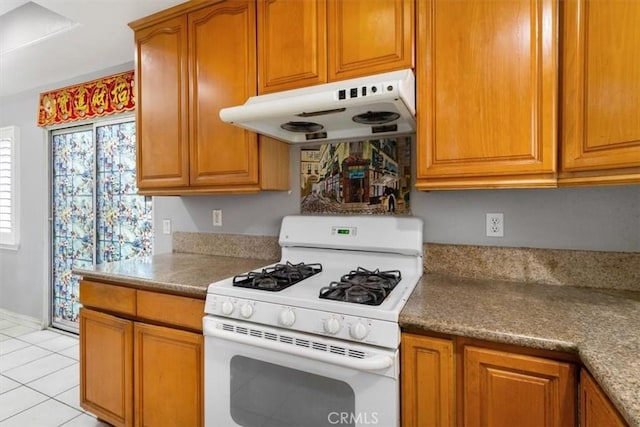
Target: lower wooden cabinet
{"x":427,"y":381}
{"x":134,"y":371}
{"x":507,"y":389}
{"x":106,"y":367}
{"x":455,"y":381}
{"x":169,"y":372}
{"x":595,"y":408}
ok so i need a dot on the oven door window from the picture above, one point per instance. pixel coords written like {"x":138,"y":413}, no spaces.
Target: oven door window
{"x":265,"y":394}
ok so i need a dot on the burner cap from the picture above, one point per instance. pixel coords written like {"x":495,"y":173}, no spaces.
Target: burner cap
{"x":303,"y":127}
{"x":376,"y":117}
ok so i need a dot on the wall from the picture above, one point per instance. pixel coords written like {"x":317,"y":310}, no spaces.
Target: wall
{"x":598,"y":218}
{"x":24,"y":274}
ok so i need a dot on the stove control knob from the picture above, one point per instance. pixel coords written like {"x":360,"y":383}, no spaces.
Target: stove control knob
{"x":246,"y":310}
{"x":358,"y":331}
{"x":287,"y":317}
{"x":332,"y":325}
{"x":227,"y":308}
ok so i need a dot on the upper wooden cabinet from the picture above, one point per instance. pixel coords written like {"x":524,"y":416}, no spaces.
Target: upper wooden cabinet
{"x":191,"y":61}
{"x":509,"y":95}
{"x":487,"y":83}
{"x":303,"y":43}
{"x":162,"y":115}
{"x":369,"y":37}
{"x":292,"y":47}
{"x":601,"y":93}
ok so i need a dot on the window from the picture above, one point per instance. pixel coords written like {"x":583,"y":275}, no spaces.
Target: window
{"x":9,"y":236}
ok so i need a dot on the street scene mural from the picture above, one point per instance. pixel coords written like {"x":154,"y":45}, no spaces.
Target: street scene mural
{"x":362,"y":177}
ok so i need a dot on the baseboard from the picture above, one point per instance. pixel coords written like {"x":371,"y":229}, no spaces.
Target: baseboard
{"x":22,"y":319}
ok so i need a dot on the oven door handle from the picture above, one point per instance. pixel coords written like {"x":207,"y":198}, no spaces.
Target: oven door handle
{"x":373,"y":363}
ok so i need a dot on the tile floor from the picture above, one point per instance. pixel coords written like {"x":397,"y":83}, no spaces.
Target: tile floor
{"x":39,"y":376}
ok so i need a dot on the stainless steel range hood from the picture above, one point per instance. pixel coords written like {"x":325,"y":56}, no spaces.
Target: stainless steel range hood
{"x":372,"y":107}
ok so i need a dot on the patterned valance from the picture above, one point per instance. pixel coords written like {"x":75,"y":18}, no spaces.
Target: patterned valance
{"x":101,"y":97}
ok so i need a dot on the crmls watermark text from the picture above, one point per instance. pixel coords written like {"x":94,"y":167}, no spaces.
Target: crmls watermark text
{"x":361,"y":418}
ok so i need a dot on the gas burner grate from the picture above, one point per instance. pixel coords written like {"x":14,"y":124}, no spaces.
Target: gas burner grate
{"x":277,"y":277}
{"x":362,"y":286}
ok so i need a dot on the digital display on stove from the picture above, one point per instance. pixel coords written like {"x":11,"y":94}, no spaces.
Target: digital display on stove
{"x":343,"y":231}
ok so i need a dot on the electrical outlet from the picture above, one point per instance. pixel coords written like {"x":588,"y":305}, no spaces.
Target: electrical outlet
{"x":166,"y":226}
{"x":495,"y":225}
{"x":217,"y":217}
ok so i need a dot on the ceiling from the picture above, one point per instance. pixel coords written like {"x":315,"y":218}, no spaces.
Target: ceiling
{"x":101,"y":39}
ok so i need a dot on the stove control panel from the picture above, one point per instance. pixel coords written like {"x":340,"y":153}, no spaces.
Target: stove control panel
{"x":313,"y":321}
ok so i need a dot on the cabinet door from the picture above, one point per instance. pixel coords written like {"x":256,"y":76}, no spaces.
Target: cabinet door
{"x":222,"y":68}
{"x":161,"y":105}
{"x":292,"y":47}
{"x":595,"y":408}
{"x":601,"y":92}
{"x":169,"y":370}
{"x":106,"y":367}
{"x":487,"y":91}
{"x":369,"y":36}
{"x":506,"y":389}
{"x":427,"y":381}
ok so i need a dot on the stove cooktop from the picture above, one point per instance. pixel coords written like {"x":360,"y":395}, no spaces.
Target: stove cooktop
{"x":362,"y":286}
{"x":277,"y":277}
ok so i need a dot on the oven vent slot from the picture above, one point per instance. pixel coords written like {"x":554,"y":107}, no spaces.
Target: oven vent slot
{"x":302,"y":343}
{"x":285,"y":339}
{"x":270,"y":336}
{"x":227,"y":327}
{"x":337,"y":350}
{"x":242,"y":330}
{"x":319,"y":346}
{"x":357,"y":354}
{"x":255,"y":333}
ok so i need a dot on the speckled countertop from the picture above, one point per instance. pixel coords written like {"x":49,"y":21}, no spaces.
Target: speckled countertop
{"x":178,"y":273}
{"x":602,"y":326}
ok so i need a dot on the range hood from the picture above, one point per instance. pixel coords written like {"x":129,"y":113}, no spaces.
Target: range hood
{"x":377,"y":106}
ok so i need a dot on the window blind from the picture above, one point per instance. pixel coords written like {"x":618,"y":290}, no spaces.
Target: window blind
{"x":8,"y":193}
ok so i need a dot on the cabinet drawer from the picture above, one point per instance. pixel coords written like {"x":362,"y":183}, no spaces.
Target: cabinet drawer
{"x":108,"y":297}
{"x":171,"y":309}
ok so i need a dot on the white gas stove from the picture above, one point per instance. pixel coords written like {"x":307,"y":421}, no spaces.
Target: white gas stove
{"x":313,"y":340}
{"x":340,"y":245}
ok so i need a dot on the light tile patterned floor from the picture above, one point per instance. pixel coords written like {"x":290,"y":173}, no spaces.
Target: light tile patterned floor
{"x":39,"y":378}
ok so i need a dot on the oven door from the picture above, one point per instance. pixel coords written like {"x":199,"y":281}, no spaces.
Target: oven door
{"x":263,"y":376}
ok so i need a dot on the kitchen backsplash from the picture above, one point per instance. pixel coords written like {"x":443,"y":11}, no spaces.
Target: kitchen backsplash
{"x":593,"y":269}
{"x":235,"y":245}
